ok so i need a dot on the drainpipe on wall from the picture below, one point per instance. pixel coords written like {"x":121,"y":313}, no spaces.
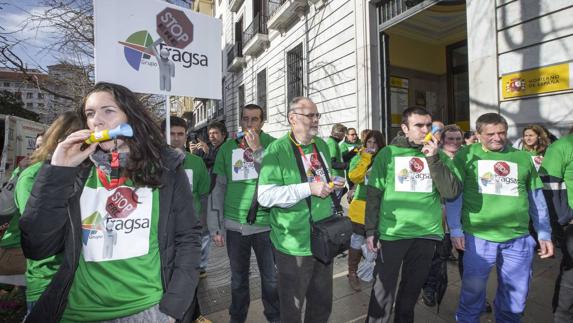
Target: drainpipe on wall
{"x":304,"y":11}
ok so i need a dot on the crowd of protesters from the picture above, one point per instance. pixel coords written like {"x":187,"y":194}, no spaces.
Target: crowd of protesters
{"x":120,"y":230}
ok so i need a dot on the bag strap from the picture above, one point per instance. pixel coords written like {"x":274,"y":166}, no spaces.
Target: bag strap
{"x":304,"y":178}
{"x":252,"y":214}
{"x":335,"y":199}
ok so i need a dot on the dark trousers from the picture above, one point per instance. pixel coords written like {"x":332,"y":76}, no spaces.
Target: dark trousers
{"x":239,"y":251}
{"x":441,"y":255}
{"x":563,"y":297}
{"x":196,"y":309}
{"x":304,"y":278}
{"x":415,"y":258}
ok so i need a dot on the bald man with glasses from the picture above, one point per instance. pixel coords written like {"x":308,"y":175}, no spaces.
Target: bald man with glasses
{"x":295,"y":175}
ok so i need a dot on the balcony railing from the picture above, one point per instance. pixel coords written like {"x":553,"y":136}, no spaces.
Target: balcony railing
{"x":284,"y":13}
{"x":235,"y":52}
{"x":258,"y":26}
{"x":235,"y":59}
{"x":234,"y":5}
{"x":274,"y":5}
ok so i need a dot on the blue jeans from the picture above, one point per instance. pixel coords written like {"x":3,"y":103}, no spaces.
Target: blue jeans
{"x":205,"y":248}
{"x":513,"y":260}
{"x":239,"y":251}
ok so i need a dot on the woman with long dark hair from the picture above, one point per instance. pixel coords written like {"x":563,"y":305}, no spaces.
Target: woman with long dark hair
{"x":118,"y":212}
{"x":358,"y":174}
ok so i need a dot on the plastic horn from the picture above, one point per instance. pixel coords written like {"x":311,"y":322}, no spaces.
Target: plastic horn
{"x":123,"y":130}
{"x":429,"y":135}
{"x":241,"y":134}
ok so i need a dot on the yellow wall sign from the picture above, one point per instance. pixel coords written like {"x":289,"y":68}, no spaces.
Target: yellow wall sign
{"x":540,"y":80}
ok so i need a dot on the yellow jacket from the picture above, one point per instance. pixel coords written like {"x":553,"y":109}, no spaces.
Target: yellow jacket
{"x":357,"y":174}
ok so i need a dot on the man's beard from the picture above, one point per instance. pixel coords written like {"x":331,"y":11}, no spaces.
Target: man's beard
{"x":313,"y":131}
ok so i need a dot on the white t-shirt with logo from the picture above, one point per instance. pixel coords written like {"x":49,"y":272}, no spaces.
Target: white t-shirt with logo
{"x":115,"y":223}
{"x":497,"y":177}
{"x":243,"y":165}
{"x":412,"y":174}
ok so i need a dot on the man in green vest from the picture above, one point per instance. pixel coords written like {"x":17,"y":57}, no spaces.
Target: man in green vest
{"x":409,"y":178}
{"x":235,"y":218}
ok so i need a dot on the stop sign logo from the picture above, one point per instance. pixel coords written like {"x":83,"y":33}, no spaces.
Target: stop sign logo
{"x":416,"y":165}
{"x":174,"y":28}
{"x":501,"y":168}
{"x":121,"y":203}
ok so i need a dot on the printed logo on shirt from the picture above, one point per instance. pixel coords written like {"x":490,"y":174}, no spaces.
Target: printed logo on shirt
{"x":412,"y":175}
{"x":243,"y":165}
{"x":537,"y":160}
{"x":497,"y":177}
{"x":318,"y":175}
{"x":115,"y":224}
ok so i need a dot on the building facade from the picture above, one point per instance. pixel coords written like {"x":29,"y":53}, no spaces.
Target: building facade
{"x":33,"y":98}
{"x":275,"y":50}
{"x":363,"y":62}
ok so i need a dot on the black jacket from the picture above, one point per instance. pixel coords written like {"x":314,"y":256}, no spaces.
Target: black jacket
{"x":51,"y":224}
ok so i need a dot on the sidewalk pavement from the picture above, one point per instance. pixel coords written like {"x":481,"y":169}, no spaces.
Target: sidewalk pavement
{"x":351,"y":306}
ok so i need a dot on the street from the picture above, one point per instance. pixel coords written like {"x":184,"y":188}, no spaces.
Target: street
{"x":351,"y":306}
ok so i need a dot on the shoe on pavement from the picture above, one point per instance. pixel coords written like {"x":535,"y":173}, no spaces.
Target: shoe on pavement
{"x":428,"y":300}
{"x":354,"y":281}
{"x":203,"y":274}
{"x":202,"y":319}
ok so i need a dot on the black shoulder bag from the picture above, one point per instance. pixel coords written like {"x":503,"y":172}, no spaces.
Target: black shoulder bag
{"x":330,"y":236}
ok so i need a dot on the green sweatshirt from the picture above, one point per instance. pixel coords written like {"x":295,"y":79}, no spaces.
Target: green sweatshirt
{"x":405,"y":190}
{"x":238,"y":166}
{"x":119,"y":267}
{"x":558,"y":163}
{"x":334,"y":150}
{"x":290,"y":227}
{"x":496,"y":185}
{"x":11,"y":237}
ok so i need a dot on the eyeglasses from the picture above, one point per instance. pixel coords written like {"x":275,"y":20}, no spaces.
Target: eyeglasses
{"x":309,"y":115}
